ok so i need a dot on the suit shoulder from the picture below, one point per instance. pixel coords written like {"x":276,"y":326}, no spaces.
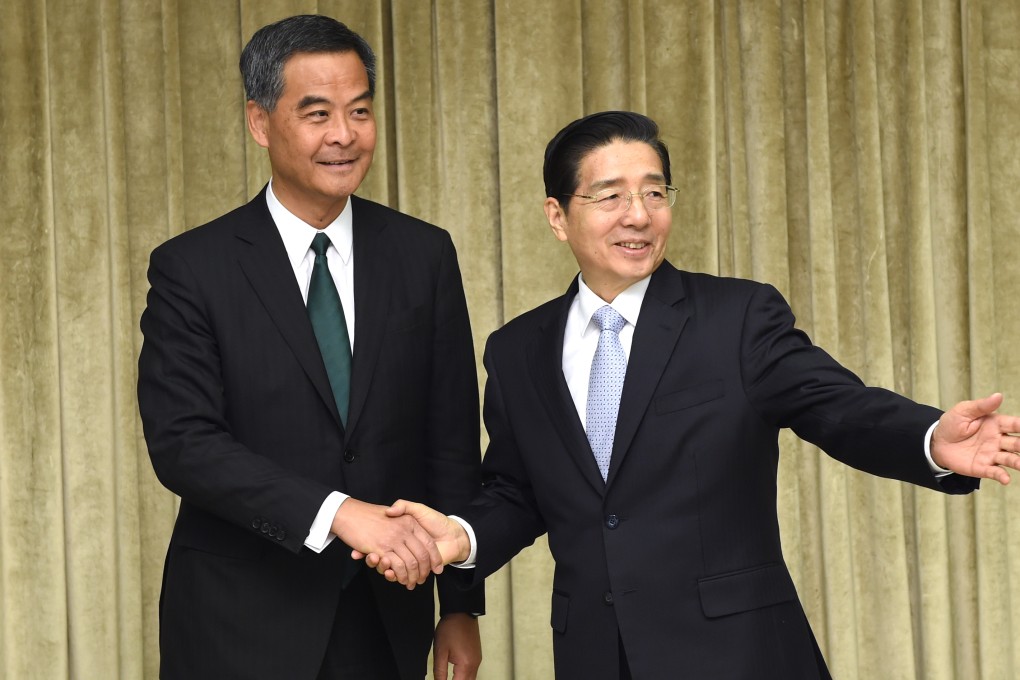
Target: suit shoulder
{"x":524,"y":325}
{"x":394,"y":219}
{"x":708,"y":289}
{"x":699,"y":281}
{"x":206,"y":237}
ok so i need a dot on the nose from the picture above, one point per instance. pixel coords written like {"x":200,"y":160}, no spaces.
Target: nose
{"x":636,"y":214}
{"x":340,"y":132}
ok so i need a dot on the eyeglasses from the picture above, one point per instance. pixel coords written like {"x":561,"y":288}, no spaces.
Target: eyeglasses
{"x":613,"y":200}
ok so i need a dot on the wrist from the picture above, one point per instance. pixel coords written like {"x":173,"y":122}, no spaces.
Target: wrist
{"x":463,"y":546}
{"x":340,"y":517}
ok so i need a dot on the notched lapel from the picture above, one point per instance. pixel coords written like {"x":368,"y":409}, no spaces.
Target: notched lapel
{"x":663,"y":317}
{"x":372,"y":284}
{"x":545,"y":359}
{"x":263,"y":259}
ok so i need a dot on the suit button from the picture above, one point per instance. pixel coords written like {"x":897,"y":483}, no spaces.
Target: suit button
{"x":349,"y":456}
{"x":265,"y":527}
{"x":281,"y":534}
{"x":256,"y":523}
{"x":607,"y":597}
{"x":612,"y":521}
{"x":272,"y":531}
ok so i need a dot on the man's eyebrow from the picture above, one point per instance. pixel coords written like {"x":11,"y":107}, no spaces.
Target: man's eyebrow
{"x":656,"y":177}
{"x":366,"y":95}
{"x":312,"y":100}
{"x":316,"y":99}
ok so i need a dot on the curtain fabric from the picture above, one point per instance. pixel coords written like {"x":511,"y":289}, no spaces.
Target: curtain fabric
{"x":861,"y":156}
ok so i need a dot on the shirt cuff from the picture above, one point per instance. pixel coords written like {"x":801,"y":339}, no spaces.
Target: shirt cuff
{"x":469,"y":563}
{"x":939,"y":472}
{"x":319,"y":536}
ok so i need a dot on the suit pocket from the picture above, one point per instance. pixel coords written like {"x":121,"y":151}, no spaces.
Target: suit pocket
{"x":560,"y":607}
{"x":747,"y":589}
{"x":691,"y":396}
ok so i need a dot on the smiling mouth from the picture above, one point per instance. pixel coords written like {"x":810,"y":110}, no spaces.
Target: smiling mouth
{"x":337,"y":163}
{"x":632,"y":245}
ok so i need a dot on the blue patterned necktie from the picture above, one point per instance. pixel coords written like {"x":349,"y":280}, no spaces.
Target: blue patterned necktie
{"x":605,"y":384}
{"x":330,"y":326}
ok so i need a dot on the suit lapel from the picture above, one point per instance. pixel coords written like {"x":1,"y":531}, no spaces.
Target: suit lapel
{"x":660,"y":323}
{"x":545,"y":359}
{"x":263,"y":259}
{"x":372,"y":284}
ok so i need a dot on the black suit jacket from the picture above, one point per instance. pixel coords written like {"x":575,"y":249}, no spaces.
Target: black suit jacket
{"x":678,"y":552}
{"x":241,"y":423}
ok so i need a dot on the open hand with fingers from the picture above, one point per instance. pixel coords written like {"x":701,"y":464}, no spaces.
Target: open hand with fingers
{"x":972,"y":439}
{"x":448,"y":538}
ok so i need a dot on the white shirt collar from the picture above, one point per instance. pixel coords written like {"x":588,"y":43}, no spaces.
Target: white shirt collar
{"x":297,"y":234}
{"x":627,"y":303}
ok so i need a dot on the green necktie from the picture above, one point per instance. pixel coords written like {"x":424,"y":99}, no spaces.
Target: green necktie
{"x":330,"y":326}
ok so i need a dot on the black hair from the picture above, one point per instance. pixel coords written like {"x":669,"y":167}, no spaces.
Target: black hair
{"x":572,"y":144}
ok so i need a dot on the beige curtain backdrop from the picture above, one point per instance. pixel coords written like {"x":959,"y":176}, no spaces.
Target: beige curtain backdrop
{"x":864,"y":157}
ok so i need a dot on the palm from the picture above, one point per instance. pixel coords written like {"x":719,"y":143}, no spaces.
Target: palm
{"x":972,"y":439}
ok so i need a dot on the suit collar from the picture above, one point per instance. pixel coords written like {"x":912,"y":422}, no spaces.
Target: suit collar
{"x":372,"y":282}
{"x":297,"y":234}
{"x":545,"y":358}
{"x":664,"y":313}
{"x":263,"y":259}
{"x":267,"y":267}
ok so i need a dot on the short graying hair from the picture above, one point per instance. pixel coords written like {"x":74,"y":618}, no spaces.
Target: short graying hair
{"x":264,"y":56}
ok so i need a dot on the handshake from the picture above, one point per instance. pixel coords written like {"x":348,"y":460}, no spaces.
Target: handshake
{"x":404,"y":542}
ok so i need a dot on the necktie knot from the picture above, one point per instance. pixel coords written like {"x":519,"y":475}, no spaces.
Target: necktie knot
{"x":608,"y":319}
{"x":320,"y":244}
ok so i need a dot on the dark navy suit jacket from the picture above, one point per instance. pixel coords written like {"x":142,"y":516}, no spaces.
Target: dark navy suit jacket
{"x":678,"y":553}
{"x":241,"y":424}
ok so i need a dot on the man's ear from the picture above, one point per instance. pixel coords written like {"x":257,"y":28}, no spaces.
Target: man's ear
{"x":557,"y":219}
{"x":258,"y":123}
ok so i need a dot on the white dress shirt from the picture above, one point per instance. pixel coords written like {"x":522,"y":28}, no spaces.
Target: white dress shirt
{"x":297,"y":238}
{"x":581,"y":336}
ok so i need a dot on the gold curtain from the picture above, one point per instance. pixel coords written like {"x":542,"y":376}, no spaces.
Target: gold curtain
{"x":861,"y":156}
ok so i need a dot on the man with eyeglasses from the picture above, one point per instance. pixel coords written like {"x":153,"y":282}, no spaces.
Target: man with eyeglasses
{"x":636,"y":420}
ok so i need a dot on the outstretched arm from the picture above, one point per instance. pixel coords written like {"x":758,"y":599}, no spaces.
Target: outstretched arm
{"x":972,"y":439}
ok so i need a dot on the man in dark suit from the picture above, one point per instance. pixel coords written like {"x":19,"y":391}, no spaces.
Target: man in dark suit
{"x":278,"y":438}
{"x":636,"y":420}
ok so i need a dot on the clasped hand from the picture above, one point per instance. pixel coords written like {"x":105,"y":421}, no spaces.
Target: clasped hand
{"x":443,"y":539}
{"x":396,"y":539}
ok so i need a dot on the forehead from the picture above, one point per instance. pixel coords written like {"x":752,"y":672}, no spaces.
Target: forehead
{"x":621,"y":162}
{"x":310,"y":70}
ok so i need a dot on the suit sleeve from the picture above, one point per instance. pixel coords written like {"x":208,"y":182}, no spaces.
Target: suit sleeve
{"x":795,"y":384}
{"x":181,"y":400}
{"x":453,"y":431}
{"x":505,"y":517}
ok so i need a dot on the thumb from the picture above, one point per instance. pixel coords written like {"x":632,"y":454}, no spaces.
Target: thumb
{"x":981,"y":407}
{"x":400,"y":507}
